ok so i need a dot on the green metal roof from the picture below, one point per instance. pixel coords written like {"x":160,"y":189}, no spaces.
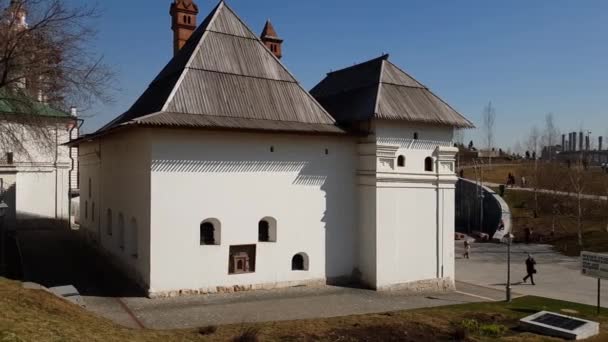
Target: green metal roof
{"x":20,"y":104}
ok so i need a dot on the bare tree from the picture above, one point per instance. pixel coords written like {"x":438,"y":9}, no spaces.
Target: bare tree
{"x":489,"y":118}
{"x":550,"y":134}
{"x":46,"y":62}
{"x":578,"y":179}
{"x":533,"y":144}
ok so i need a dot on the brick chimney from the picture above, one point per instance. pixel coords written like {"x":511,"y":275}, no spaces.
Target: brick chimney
{"x":183,"y":22}
{"x":271,"y":40}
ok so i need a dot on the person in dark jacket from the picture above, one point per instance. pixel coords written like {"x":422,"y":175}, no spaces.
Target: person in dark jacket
{"x":530,"y":268}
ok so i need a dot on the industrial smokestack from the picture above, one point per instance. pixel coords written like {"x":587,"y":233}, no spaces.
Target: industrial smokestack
{"x":587,"y":143}
{"x":563,"y":142}
{"x":580,"y":141}
{"x":600,"y":142}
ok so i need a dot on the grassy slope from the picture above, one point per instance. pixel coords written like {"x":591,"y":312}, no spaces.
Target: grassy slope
{"x":551,"y":176}
{"x":30,"y":315}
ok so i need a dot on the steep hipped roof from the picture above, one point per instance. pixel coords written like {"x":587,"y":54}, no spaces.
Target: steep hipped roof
{"x":225,"y":77}
{"x":379,"y":89}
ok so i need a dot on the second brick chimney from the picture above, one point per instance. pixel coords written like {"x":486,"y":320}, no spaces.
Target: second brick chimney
{"x":271,"y":40}
{"x":183,"y":22}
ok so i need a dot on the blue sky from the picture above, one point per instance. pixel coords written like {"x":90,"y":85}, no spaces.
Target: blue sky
{"x":527,"y":57}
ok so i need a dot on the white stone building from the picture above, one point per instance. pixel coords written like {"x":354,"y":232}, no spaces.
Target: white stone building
{"x":39,"y":177}
{"x":226,"y":174}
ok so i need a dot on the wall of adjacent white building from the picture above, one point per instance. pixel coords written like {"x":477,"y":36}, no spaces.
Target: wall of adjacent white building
{"x":115,"y":198}
{"x":307,"y":185}
{"x":41,"y":172}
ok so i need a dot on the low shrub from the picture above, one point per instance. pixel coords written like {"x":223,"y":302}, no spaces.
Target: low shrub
{"x":208,"y":330}
{"x":492,"y":330}
{"x":248,"y":335}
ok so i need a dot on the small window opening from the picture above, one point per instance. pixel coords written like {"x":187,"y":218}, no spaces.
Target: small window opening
{"x":299,"y":262}
{"x":401,"y":161}
{"x":415,"y":135}
{"x":185,"y":19}
{"x":121,"y":231}
{"x":271,"y":148}
{"x":267,"y":230}
{"x":428,"y":164}
{"x":134,"y":239}
{"x":9,"y":158}
{"x":93,"y":212}
{"x":207,"y":234}
{"x":326,"y":151}
{"x":263,"y":231}
{"x":109,"y":222}
{"x":210,"y":232}
{"x":90,"y":188}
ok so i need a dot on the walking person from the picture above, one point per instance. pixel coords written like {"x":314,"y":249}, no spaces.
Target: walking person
{"x":467,"y":249}
{"x":530,"y":269}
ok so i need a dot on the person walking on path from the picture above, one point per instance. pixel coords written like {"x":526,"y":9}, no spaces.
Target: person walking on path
{"x":530,"y":269}
{"x":467,"y":249}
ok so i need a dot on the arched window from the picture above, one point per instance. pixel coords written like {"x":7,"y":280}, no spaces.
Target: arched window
{"x":210,"y":232}
{"x":185,"y":19}
{"x":121,"y":231}
{"x":267,"y":230}
{"x":299,"y":262}
{"x":415,"y":135}
{"x":428,"y":164}
{"x":401,"y":161}
{"x":263,"y":231}
{"x":134,"y":239}
{"x":109,"y":222}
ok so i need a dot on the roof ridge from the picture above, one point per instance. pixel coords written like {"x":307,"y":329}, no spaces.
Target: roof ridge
{"x":405,"y":73}
{"x":241,"y":75}
{"x":383,"y":57}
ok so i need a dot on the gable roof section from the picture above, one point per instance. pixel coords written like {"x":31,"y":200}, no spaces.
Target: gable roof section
{"x":379,"y":89}
{"x":225,"y":73}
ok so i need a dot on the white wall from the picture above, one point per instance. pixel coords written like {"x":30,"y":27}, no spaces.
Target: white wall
{"x":42,"y":170}
{"x":235,"y":178}
{"x":118,"y":167}
{"x":411,"y":220}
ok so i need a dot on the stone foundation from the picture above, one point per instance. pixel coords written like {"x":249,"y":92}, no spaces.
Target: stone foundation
{"x":235,"y":288}
{"x":423,"y":286}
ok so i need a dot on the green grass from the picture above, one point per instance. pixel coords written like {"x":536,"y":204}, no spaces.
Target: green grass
{"x":31,"y":315}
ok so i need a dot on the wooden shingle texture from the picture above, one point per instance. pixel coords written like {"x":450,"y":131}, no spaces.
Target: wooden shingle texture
{"x":225,"y":77}
{"x":378,"y":89}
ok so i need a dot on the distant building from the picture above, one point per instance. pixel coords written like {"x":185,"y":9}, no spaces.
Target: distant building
{"x":227,"y":175}
{"x":38,"y":175}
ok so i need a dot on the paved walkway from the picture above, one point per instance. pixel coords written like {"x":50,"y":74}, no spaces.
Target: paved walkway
{"x":288,"y":304}
{"x":549,"y":192}
{"x":558,"y":277}
{"x":55,"y":258}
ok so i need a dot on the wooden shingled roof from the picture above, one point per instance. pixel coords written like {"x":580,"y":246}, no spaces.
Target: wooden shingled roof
{"x":225,"y":77}
{"x":379,"y":89}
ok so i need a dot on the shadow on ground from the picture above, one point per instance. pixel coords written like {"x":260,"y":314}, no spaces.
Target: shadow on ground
{"x":58,"y":256}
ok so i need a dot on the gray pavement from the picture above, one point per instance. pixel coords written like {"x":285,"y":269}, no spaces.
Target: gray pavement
{"x":288,"y":304}
{"x":59,"y":258}
{"x":558,"y":276}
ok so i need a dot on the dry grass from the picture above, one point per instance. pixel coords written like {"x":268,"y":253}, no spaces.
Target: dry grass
{"x":552,"y":176}
{"x":30,"y":315}
{"x":559,"y":229}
